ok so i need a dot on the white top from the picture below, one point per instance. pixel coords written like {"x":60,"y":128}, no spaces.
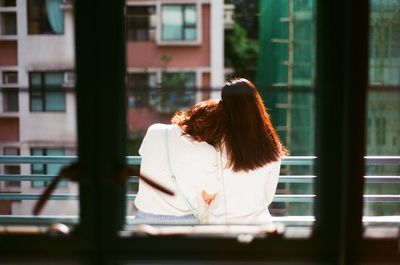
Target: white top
{"x":194,"y":164}
{"x":245,"y":196}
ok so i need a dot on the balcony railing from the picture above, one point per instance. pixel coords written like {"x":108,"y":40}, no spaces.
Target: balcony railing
{"x":135,"y":161}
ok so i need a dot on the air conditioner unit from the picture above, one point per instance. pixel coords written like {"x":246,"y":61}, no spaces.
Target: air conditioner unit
{"x":10,"y":78}
{"x":69,"y":79}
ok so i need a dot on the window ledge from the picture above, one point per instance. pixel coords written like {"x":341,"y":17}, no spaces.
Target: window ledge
{"x":179,"y":43}
{"x":8,"y":37}
{"x":11,"y":114}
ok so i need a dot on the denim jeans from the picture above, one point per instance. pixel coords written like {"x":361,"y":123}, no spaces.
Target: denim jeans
{"x":149,"y":218}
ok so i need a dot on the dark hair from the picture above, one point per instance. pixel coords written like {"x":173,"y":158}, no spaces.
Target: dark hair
{"x":202,"y":122}
{"x":250,"y":139}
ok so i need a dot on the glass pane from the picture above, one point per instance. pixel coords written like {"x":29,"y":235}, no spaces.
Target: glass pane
{"x":36,"y":79}
{"x":172,"y":22}
{"x":382,"y":187}
{"x":37,"y":86}
{"x":36,"y":103}
{"x":55,"y":101}
{"x":54,"y":80}
{"x":190,"y":15}
{"x":190,"y":34}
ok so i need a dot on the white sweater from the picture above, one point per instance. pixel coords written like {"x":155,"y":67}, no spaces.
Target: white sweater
{"x":245,"y":196}
{"x":194,"y":164}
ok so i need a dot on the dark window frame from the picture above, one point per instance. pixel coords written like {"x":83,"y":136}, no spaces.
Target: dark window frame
{"x":131,"y":19}
{"x":42,"y":20}
{"x":337,"y":238}
{"x":42,"y":92}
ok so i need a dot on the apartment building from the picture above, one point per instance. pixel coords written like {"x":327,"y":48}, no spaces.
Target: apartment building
{"x":172,"y":45}
{"x":37,"y":104}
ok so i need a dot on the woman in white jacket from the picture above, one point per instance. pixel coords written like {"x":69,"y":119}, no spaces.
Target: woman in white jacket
{"x":178,"y":157}
{"x":250,"y":156}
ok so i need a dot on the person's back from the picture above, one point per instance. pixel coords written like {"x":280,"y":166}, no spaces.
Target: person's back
{"x":245,"y":196}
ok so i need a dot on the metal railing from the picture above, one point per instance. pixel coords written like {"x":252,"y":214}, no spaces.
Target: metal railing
{"x":135,"y":161}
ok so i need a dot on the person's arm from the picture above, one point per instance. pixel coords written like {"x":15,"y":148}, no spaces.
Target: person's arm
{"x":272,"y":181}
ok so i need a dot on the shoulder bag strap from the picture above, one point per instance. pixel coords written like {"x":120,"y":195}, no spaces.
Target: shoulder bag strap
{"x":177,"y":187}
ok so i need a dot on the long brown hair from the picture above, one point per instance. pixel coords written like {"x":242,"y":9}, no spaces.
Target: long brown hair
{"x":202,"y":122}
{"x":250,"y":139}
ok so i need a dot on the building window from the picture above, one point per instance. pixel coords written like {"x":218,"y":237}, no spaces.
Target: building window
{"x":178,"y":90}
{"x":12,"y":169}
{"x":140,"y":86}
{"x":8,"y":3}
{"x":10,"y":100}
{"x":380,"y":131}
{"x":8,"y":23}
{"x":46,"y":169}
{"x":140,"y":23}
{"x":46,"y":92}
{"x":10,"y":77}
{"x":45,"y":17}
{"x":179,"y":22}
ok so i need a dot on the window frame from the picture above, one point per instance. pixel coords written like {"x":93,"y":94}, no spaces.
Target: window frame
{"x":337,"y":236}
{"x":199,"y":25}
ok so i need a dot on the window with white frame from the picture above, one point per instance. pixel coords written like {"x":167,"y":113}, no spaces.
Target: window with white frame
{"x":45,"y":17}
{"x":179,"y":22}
{"x":10,"y":77}
{"x":46,"y":91}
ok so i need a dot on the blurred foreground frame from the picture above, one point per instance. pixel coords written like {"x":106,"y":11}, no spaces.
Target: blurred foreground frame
{"x":342,"y":63}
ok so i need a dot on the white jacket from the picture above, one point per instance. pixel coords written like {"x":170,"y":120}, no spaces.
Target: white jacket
{"x":194,"y":164}
{"x":245,"y":196}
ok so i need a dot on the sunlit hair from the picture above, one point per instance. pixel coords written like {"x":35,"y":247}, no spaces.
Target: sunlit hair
{"x":250,"y":139}
{"x":202,"y":122}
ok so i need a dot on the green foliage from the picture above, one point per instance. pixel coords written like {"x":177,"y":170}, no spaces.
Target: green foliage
{"x":241,"y":53}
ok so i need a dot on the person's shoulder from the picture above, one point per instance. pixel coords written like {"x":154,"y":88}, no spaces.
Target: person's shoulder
{"x":159,"y":127}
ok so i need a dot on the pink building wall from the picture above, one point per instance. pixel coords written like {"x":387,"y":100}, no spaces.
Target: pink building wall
{"x":8,"y":53}
{"x":139,"y":119}
{"x":206,"y":81}
{"x":148,"y":54}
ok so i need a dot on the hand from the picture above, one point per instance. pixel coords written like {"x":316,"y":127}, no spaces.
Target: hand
{"x":208,"y":198}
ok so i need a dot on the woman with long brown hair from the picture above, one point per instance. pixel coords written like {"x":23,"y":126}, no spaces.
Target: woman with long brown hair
{"x":250,"y":157}
{"x":178,"y":156}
